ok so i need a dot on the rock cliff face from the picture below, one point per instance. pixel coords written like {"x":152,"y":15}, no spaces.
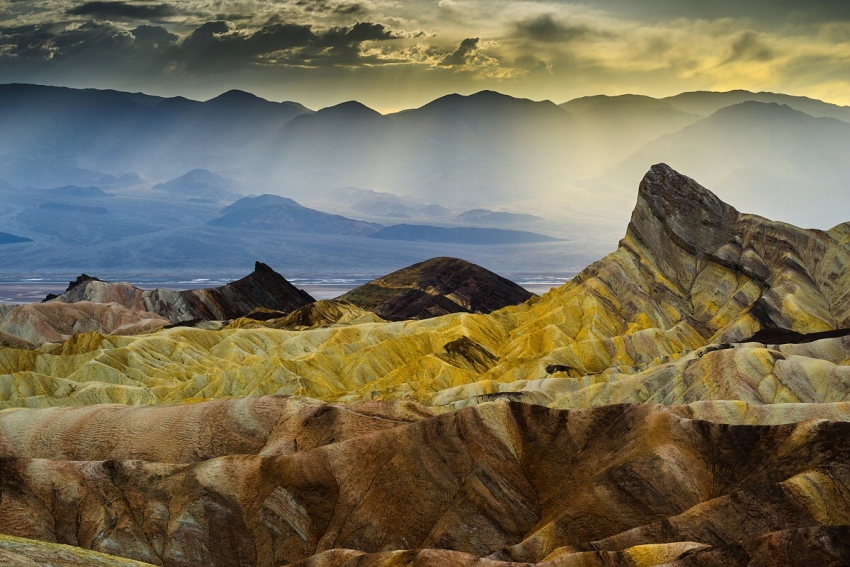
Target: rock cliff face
{"x":262,"y":288}
{"x":436,"y":287}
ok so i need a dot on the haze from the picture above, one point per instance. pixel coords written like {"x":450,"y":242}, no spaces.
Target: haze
{"x":457,"y":127}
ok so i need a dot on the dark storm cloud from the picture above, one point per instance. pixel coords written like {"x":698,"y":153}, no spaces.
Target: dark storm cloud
{"x":216,"y":43}
{"x":220,"y":42}
{"x":461,"y":55}
{"x":748,"y":47}
{"x":123,"y":10}
{"x":350,"y":9}
{"x":213,"y":47}
{"x":546,"y":29}
{"x":43,"y":42}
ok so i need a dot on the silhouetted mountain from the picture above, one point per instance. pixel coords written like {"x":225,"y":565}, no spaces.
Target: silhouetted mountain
{"x":458,"y":235}
{"x":111,"y":131}
{"x":436,"y":287}
{"x":259,"y":202}
{"x":200,"y":183}
{"x":270,"y":212}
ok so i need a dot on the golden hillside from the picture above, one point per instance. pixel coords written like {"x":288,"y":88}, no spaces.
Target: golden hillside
{"x":691,"y":272}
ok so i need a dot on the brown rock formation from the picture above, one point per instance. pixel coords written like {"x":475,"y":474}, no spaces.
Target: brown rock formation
{"x":618,"y":485}
{"x":436,"y":287}
{"x":38,"y":323}
{"x":262,"y":288}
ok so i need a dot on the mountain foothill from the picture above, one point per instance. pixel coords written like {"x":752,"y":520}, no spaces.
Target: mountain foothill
{"x":682,"y":401}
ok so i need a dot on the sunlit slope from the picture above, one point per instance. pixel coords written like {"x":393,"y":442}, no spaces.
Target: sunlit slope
{"x":690,"y":272}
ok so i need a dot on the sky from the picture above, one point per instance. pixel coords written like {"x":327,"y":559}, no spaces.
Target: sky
{"x":394,"y":54}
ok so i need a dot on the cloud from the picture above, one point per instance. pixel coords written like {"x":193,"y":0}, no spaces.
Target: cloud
{"x":220,"y":43}
{"x":462,"y":54}
{"x":749,"y":47}
{"x":545,"y":29}
{"x":123,"y":10}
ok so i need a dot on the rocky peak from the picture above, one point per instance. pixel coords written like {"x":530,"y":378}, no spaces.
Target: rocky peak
{"x":674,"y":207}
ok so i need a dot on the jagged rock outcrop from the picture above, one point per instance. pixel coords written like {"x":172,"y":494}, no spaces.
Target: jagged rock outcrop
{"x":261,"y":288}
{"x":436,"y":287}
{"x":498,"y":482}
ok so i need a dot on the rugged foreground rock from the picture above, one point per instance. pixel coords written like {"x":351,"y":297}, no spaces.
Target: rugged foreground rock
{"x":279,"y":480}
{"x":261,"y":288}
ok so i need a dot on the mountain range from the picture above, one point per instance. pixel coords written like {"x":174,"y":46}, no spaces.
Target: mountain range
{"x":486,"y":147}
{"x":104,"y":180}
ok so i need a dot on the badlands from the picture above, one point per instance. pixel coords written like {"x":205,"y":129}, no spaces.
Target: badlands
{"x":682,"y":401}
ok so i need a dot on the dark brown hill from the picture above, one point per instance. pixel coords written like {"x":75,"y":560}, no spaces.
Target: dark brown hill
{"x":436,"y":287}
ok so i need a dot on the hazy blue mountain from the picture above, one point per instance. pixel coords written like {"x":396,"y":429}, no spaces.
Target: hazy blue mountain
{"x":355,"y":195}
{"x":111,"y":132}
{"x":709,"y":102}
{"x":459,"y":235}
{"x":270,"y":212}
{"x":77,"y":191}
{"x":6,"y":238}
{"x":760,"y":157}
{"x":259,"y":202}
{"x":203,"y":184}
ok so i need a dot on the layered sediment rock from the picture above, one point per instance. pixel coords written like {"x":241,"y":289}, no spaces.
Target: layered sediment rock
{"x":261,"y":288}
{"x":437,"y":287}
{"x":507,"y":481}
{"x":34,"y":324}
{"x":323,"y":313}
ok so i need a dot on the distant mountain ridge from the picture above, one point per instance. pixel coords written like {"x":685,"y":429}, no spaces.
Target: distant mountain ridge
{"x":271,"y":212}
{"x":485,"y":150}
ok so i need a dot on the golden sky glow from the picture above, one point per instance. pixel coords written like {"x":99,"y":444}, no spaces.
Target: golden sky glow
{"x":396,"y":54}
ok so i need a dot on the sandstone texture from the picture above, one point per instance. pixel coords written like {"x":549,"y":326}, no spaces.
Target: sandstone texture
{"x":437,"y":287}
{"x":685,"y":401}
{"x":498,"y":483}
